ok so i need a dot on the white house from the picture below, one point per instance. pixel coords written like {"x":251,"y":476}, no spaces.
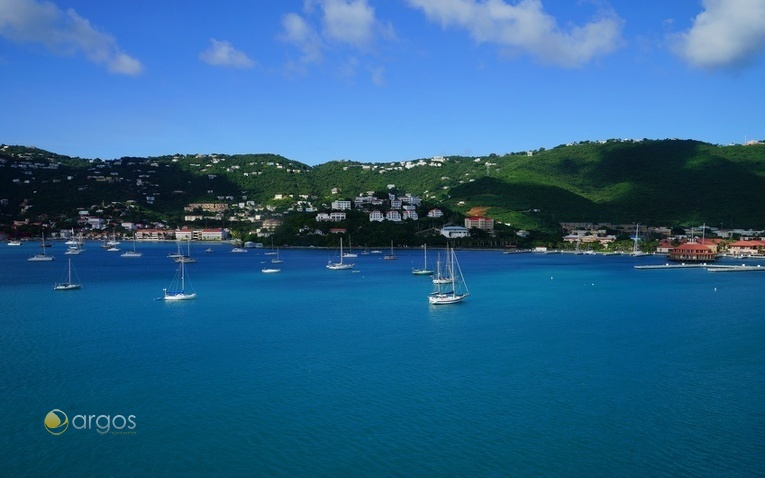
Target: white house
{"x":376,"y":216}
{"x":454,"y":232}
{"x":393,"y":215}
{"x":341,"y":205}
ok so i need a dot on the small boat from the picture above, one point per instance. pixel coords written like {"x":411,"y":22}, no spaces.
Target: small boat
{"x":239,"y":250}
{"x":14,"y":243}
{"x":424,"y":271}
{"x":74,"y":250}
{"x":41,"y":256}
{"x":132,"y":253}
{"x":69,"y":284}
{"x":391,"y":256}
{"x":350,"y":253}
{"x":337,"y":266}
{"x":273,"y":251}
{"x":442,"y":275}
{"x":177,"y":290}
{"x":209,"y":250}
{"x":453,"y":292}
{"x":186,"y":257}
{"x":113,"y":249}
{"x":175,"y":255}
{"x":270,"y":270}
{"x":278,"y":259}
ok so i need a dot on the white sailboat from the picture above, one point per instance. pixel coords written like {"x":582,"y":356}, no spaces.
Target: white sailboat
{"x":69,"y":284}
{"x":350,"y":252}
{"x":454,"y":291}
{"x":424,"y":271}
{"x":278,"y":259}
{"x":391,"y":256}
{"x":177,"y":289}
{"x":635,"y":249}
{"x":186,"y":257}
{"x":132,"y":253}
{"x":337,"y":266}
{"x":41,"y":257}
{"x":443,"y":275}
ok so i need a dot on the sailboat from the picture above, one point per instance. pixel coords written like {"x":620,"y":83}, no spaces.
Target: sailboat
{"x":185,"y":257}
{"x":336,"y":266}
{"x":68,"y":285}
{"x":41,"y":257}
{"x":635,"y":250}
{"x":443,"y":274}
{"x":391,"y":256}
{"x":277,"y":259}
{"x":177,"y":289}
{"x":132,"y":253}
{"x":350,"y":252}
{"x":424,"y":271}
{"x":454,"y":291}
{"x":272,"y":252}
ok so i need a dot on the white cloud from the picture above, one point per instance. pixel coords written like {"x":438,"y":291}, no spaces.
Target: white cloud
{"x":728,"y":33}
{"x":299,"y":33}
{"x":525,"y":27}
{"x":349,"y":22}
{"x":63,"y":32}
{"x":222,"y":53}
{"x":330,"y":27}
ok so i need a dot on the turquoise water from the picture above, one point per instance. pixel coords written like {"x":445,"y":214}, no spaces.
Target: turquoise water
{"x":556,"y":365}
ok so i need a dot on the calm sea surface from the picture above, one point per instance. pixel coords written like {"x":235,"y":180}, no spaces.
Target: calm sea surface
{"x":556,"y":365}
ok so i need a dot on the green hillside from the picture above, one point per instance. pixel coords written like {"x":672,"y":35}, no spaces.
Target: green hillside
{"x":660,"y":182}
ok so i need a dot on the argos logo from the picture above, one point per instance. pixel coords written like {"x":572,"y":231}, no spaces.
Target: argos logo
{"x":57,"y":422}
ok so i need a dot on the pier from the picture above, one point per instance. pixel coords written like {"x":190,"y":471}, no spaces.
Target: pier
{"x":704,"y":265}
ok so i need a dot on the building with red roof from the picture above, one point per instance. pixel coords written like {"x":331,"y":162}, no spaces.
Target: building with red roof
{"x":692,"y":252}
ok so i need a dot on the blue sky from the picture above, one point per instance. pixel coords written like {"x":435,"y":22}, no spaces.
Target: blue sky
{"x":376,"y":80}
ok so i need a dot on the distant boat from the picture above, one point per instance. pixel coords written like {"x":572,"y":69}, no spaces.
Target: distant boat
{"x":391,"y":256}
{"x":635,"y":249}
{"x":209,"y":250}
{"x":269,"y":270}
{"x":455,"y":291}
{"x":132,"y":253}
{"x":273,"y":251}
{"x":239,"y":250}
{"x":175,"y":255}
{"x":442,"y":275}
{"x":177,"y":289}
{"x":350,"y":253}
{"x":41,"y":257}
{"x":69,"y":284}
{"x":424,"y":271}
{"x":277,"y":259}
{"x":186,"y":257}
{"x":336,"y":266}
{"x":14,"y":243}
{"x":114,"y":241}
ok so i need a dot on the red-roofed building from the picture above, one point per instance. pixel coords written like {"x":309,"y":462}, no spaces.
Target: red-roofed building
{"x":746,"y":248}
{"x":692,"y":252}
{"x":479,"y":222}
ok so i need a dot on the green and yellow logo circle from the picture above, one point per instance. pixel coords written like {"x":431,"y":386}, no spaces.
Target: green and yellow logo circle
{"x":56,"y":422}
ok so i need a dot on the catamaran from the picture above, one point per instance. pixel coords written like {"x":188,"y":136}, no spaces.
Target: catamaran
{"x":454,"y":291}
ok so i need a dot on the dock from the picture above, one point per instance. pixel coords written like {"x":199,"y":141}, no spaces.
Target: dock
{"x":704,"y":265}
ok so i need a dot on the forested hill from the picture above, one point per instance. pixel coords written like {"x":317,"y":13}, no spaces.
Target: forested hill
{"x":662,"y":182}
